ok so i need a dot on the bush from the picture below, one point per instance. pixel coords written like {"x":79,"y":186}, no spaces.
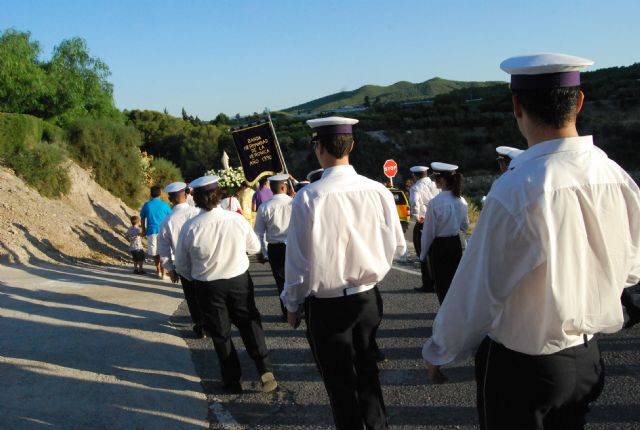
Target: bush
{"x":18,"y":132}
{"x":44,"y":168}
{"x":111,"y":151}
{"x":164,"y":172}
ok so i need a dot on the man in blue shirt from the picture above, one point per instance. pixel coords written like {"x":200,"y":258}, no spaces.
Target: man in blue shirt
{"x":152,"y":214}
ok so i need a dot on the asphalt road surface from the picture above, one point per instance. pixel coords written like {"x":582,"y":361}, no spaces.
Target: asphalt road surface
{"x":301,"y":401}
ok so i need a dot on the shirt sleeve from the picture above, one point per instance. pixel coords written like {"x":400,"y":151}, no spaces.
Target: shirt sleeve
{"x":465,"y":216}
{"x":165,"y":250}
{"x":428,"y":234}
{"x":144,"y":212}
{"x":260,"y":229}
{"x":481,"y":285}
{"x":253,"y":243}
{"x":296,"y":284}
{"x":417,"y":204}
{"x":182,"y":257}
{"x":393,"y":223}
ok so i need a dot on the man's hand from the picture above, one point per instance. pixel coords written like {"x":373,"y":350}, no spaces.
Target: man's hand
{"x":174,"y":276}
{"x":434,"y":374}
{"x":420,"y":220}
{"x":293,"y":318}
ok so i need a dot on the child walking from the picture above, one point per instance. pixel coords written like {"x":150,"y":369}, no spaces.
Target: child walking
{"x":134,"y":234}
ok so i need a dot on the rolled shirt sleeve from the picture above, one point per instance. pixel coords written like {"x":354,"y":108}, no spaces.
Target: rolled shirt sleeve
{"x":253,"y":243}
{"x":428,"y":235}
{"x":165,"y":246}
{"x":260,"y":229}
{"x":299,"y":240}
{"x":481,"y":286}
{"x":182,"y":257}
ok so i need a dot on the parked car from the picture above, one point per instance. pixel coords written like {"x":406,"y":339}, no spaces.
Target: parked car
{"x":402,"y":207}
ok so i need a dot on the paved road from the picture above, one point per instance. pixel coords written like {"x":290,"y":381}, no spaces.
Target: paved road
{"x":87,"y":347}
{"x":301,"y":401}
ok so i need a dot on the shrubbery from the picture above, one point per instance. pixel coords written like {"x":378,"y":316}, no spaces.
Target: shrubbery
{"x":111,"y":151}
{"x":163,"y":172}
{"x":24,"y":148}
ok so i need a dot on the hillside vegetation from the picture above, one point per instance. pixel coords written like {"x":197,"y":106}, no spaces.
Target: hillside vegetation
{"x":369,"y":95}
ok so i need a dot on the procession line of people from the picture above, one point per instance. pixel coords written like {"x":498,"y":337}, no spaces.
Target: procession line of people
{"x":557,"y":242}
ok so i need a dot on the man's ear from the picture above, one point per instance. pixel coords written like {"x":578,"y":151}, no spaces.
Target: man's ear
{"x":517,"y":107}
{"x":580,"y":101}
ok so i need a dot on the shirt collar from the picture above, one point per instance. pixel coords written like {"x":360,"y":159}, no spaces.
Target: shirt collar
{"x":346,"y":169}
{"x":181,"y":206}
{"x":547,"y":147}
{"x":281,"y":196}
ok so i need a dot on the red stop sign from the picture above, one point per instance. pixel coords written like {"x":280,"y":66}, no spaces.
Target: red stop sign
{"x":390,"y":168}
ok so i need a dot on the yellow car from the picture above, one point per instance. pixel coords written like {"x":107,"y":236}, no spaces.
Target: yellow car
{"x":402,"y":206}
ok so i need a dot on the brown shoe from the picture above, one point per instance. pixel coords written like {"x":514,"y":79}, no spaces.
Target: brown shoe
{"x":268,"y":382}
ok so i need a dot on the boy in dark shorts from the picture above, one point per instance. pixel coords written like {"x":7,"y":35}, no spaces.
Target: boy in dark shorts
{"x":134,"y":234}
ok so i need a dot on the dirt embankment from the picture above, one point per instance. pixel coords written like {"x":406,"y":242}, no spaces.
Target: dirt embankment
{"x":86,"y":225}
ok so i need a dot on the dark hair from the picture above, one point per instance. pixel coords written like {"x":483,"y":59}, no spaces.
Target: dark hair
{"x":454,"y":182}
{"x":555,"y":107}
{"x":134,"y":219}
{"x":206,"y":199}
{"x":156,"y":191}
{"x":337,"y":145}
{"x":263,"y":181}
{"x":275,"y":186}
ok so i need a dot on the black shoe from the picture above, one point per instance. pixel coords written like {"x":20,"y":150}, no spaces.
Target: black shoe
{"x":380,"y":357}
{"x":234,"y":388}
{"x":421,"y":290}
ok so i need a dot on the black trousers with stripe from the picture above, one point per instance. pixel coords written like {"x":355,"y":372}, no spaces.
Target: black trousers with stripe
{"x":535,"y":392}
{"x":341,"y":332}
{"x":444,"y":256}
{"x":227,"y":301}
{"x":277,"y":252}
{"x":427,"y":279}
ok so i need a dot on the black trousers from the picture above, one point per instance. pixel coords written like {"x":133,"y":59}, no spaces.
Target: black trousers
{"x":227,"y":301}
{"x":189,"y":289}
{"x":444,"y":256}
{"x":341,"y":333}
{"x":277,"y":252}
{"x":427,"y":280}
{"x":520,"y":391}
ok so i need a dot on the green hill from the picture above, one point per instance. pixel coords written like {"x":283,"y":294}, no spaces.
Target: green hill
{"x":398,"y":92}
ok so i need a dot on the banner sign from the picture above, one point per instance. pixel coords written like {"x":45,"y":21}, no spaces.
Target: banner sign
{"x":258,"y":151}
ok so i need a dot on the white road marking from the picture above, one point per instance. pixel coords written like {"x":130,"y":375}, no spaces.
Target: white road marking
{"x":223,"y":416}
{"x":402,"y":269}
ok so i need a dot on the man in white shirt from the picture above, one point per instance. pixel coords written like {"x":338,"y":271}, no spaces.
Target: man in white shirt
{"x":420,"y":194}
{"x":343,"y":236}
{"x":167,"y":241}
{"x":212,"y":250}
{"x":557,"y":241}
{"x":272,"y":225}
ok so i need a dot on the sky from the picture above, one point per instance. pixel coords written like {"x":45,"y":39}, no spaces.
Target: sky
{"x":242,"y":56}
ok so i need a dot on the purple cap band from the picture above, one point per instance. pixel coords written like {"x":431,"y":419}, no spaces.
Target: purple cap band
{"x":333,"y":129}
{"x":547,"y":80}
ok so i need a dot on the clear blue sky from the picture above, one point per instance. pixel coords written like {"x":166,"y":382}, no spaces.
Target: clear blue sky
{"x":240,"y":56}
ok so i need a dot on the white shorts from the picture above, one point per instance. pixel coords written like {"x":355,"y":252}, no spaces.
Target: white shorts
{"x":152,"y":245}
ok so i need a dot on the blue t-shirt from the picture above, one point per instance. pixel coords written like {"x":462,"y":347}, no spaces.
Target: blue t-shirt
{"x":155,"y":210}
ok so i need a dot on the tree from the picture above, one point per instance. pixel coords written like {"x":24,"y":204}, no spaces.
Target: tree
{"x":80,"y":85}
{"x":23,"y":82}
{"x":221,"y":119}
{"x":367,"y":102}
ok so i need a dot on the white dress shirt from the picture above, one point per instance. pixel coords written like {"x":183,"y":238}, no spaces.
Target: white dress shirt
{"x":214,"y":245}
{"x":344,"y":232}
{"x":230,"y":204}
{"x":448,"y":216}
{"x":557,"y":241}
{"x":170,"y":230}
{"x":272,"y":221}
{"x":425,"y":190}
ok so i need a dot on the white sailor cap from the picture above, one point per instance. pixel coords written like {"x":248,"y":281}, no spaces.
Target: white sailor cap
{"x":514,"y":153}
{"x":417,"y":169}
{"x":205,"y":183}
{"x":174,"y":187}
{"x":332,"y":125}
{"x":544,"y":71}
{"x":279,"y":178}
{"x":314,"y":175}
{"x":439,"y":167}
